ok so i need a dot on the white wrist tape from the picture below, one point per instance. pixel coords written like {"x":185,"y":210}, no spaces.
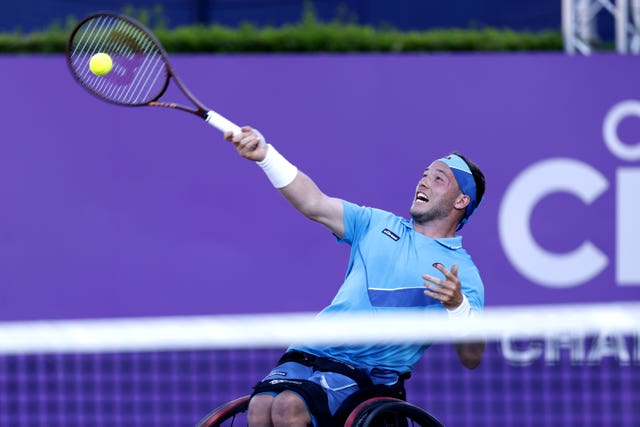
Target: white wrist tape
{"x":462,"y":311}
{"x":278,"y":169}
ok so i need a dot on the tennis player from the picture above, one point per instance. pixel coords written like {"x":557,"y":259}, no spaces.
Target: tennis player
{"x":396,"y":264}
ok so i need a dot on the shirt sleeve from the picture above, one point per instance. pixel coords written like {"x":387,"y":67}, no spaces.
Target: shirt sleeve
{"x":356,"y":222}
{"x":472,"y":286}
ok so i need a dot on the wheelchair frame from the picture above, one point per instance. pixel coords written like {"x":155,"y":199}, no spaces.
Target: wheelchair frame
{"x":373,"y":412}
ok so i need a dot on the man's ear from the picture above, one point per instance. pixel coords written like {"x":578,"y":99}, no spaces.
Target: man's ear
{"x":462,"y":202}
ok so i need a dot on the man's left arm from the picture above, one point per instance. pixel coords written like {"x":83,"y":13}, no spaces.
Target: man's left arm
{"x":470,"y":353}
{"x":449,"y":292}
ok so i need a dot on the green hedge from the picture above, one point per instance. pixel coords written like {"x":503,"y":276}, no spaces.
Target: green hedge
{"x":309,"y":35}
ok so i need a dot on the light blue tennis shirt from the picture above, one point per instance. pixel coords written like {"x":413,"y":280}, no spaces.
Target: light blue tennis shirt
{"x":388,"y":259}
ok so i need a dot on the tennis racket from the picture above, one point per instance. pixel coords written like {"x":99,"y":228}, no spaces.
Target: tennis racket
{"x":140,"y":72}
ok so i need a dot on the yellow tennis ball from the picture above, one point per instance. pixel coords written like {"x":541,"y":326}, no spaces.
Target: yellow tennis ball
{"x":100,"y":64}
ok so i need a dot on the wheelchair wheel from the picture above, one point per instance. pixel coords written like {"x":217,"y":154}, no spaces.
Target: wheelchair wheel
{"x":229,"y":414}
{"x":390,"y":412}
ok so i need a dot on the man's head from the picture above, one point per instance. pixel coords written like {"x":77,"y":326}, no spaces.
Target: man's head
{"x":451,"y":189}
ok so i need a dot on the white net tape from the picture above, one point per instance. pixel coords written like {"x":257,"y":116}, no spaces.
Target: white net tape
{"x":278,"y":330}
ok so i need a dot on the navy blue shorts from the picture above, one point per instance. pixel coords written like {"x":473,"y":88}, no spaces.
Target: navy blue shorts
{"x":337,"y":387}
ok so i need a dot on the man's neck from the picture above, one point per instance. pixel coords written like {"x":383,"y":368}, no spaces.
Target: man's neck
{"x":436,"y":229}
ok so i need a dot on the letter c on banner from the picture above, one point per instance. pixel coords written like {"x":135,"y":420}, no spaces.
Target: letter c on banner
{"x":555,"y":270}
{"x":619,"y":112}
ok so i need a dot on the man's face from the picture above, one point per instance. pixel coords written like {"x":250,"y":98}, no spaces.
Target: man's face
{"x":435,"y":194}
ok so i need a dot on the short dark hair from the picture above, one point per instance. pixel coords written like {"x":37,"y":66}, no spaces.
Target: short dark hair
{"x":478,"y":177}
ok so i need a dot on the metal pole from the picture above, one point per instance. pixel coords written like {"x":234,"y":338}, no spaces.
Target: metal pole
{"x":568,"y":26}
{"x":622,"y":19}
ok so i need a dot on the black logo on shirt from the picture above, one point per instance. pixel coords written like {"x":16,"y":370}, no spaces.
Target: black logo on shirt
{"x":390,"y":234}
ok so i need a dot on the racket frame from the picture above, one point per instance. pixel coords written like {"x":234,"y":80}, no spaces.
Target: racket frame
{"x":213,"y":118}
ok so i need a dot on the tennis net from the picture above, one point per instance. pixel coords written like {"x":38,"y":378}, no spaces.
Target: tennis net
{"x":569,"y":365}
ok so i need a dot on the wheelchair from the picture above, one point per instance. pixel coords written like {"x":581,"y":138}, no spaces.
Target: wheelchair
{"x":373,"y":412}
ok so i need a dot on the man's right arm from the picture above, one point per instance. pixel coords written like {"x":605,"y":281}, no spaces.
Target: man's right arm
{"x":307,"y":198}
{"x":293,"y":184}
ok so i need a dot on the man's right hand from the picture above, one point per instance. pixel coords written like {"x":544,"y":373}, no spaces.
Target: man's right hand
{"x":249,"y":143}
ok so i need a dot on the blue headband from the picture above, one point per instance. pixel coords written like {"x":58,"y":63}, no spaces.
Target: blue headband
{"x":467,"y":184}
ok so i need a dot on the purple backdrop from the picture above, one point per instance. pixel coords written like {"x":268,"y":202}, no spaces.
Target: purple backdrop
{"x":110,"y":211}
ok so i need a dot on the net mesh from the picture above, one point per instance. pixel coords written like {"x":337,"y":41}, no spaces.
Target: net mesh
{"x":552,"y":379}
{"x":139,"y":73}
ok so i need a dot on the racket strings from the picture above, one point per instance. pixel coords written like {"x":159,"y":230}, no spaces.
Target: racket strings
{"x":139,"y":74}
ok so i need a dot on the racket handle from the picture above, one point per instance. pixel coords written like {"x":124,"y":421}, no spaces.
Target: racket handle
{"x":221,"y":123}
